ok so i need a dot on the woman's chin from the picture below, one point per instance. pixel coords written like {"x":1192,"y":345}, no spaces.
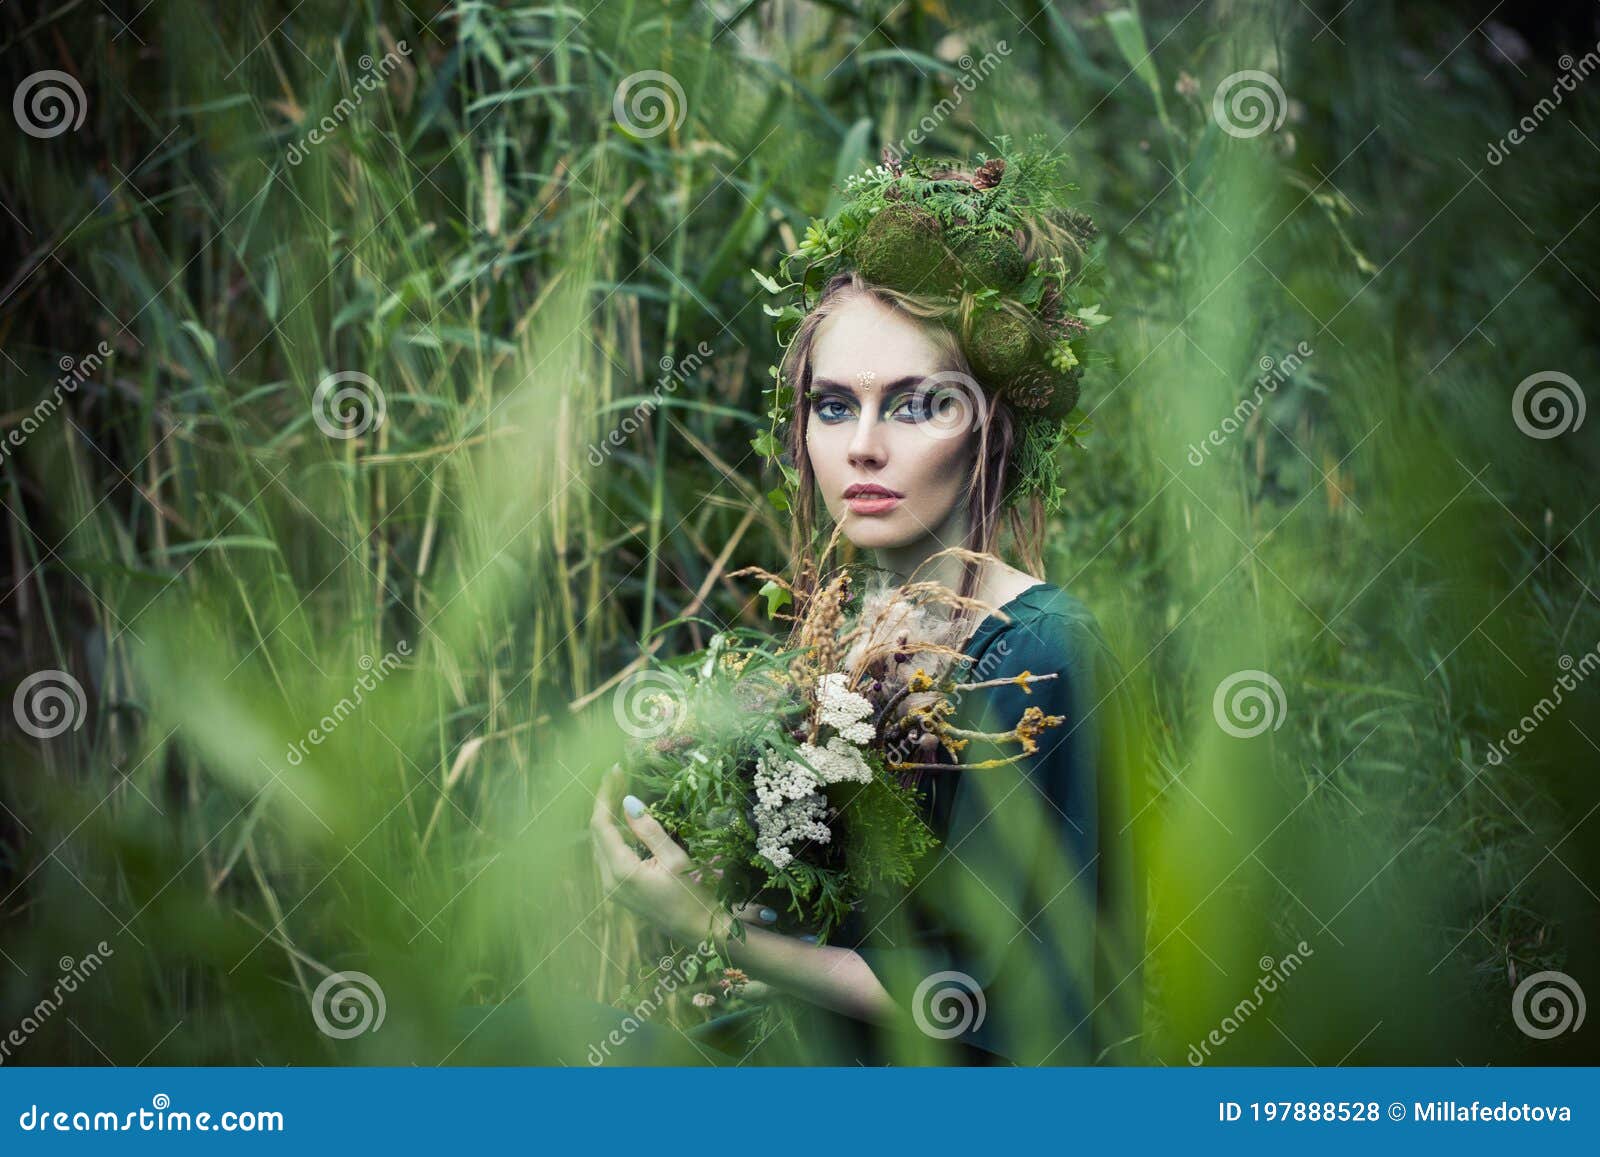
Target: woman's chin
{"x":867,"y":533}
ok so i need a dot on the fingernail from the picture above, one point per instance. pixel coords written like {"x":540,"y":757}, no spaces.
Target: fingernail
{"x":633,"y":805}
{"x":810,"y":937}
{"x":768,"y":916}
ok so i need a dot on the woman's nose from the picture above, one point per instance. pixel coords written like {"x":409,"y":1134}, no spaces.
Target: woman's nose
{"x":867,"y":450}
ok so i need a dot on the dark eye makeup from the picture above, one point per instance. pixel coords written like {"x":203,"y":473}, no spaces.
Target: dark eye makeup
{"x":903,"y":403}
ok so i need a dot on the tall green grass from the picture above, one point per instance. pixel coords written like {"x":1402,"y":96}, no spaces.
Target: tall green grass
{"x":514,"y":269}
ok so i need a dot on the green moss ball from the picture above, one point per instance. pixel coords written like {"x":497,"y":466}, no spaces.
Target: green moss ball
{"x":903,"y":249}
{"x":991,"y":260}
{"x":999,"y":346}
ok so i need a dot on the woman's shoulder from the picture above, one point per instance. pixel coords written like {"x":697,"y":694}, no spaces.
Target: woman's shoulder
{"x":1043,"y":628}
{"x":1047,"y":612}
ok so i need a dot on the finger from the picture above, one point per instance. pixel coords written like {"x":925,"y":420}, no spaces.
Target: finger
{"x":655,"y":837}
{"x":619,"y":858}
{"x":609,"y":788}
{"x":604,"y":798}
{"x":608,"y":882}
{"x":758,"y":914}
{"x":601,"y":864}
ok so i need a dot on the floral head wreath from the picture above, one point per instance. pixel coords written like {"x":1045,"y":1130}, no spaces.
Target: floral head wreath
{"x":1006,"y":265}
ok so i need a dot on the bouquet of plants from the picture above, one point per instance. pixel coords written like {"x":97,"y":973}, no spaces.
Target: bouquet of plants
{"x":789,"y":769}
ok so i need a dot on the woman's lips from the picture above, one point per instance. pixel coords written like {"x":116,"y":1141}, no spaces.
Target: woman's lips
{"x":871,"y":499}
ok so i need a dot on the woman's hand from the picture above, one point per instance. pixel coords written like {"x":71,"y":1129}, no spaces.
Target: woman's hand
{"x":665,"y":889}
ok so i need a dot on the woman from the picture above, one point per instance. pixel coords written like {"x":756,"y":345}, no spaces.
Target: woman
{"x":1020,"y":943}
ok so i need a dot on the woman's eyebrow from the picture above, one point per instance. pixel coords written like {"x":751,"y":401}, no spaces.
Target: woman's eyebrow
{"x":908,"y":382}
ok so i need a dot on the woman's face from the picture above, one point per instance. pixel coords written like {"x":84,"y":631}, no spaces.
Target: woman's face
{"x":892,"y":428}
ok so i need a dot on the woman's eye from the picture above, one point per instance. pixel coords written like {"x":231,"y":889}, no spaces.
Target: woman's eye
{"x":831,"y":410}
{"x":916,"y":408}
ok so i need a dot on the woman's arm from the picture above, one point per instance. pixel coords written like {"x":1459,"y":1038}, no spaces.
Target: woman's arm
{"x":837,"y":978}
{"x":661,"y":891}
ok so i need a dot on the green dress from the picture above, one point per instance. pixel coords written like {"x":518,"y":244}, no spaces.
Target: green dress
{"x":1023,"y":941}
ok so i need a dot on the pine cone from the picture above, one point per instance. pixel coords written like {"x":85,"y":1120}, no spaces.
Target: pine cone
{"x":1082,"y":226}
{"x":1043,"y":390}
{"x":988,"y":174}
{"x":1050,"y":303}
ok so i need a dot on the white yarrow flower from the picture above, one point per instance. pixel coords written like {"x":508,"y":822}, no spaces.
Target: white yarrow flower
{"x":844,"y":710}
{"x":838,"y":762}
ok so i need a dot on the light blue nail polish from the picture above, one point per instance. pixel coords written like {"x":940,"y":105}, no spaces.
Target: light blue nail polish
{"x":810,"y":937}
{"x":633,"y":805}
{"x":768,"y":916}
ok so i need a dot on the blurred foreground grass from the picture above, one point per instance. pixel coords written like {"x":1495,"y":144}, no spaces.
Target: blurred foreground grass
{"x":515,"y":258}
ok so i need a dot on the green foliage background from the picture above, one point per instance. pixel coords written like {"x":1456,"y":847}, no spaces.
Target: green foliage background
{"x":518,"y":272}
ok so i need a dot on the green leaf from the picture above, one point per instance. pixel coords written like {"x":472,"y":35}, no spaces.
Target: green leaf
{"x":767,"y":283}
{"x":778,"y":498}
{"x":1128,"y":31}
{"x":777,"y":597}
{"x":766,"y":445}
{"x":203,"y":336}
